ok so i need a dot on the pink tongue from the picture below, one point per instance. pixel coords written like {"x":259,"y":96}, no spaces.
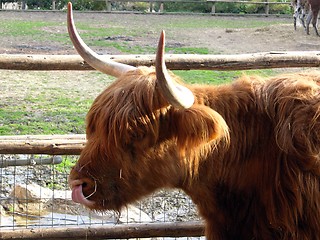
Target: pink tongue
{"x":78,"y":197}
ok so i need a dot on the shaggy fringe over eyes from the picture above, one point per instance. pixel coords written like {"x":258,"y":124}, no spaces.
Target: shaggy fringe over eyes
{"x":127,"y":111}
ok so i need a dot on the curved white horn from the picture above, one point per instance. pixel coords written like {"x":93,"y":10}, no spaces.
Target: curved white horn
{"x":176,"y":94}
{"x":93,"y":59}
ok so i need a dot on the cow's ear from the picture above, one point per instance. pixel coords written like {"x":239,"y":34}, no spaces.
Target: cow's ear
{"x":199,"y":125}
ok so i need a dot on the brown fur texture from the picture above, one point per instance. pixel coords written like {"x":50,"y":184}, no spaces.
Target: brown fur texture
{"x":247,"y":153}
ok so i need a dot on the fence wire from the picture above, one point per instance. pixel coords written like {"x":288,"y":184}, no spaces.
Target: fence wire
{"x":37,"y":196}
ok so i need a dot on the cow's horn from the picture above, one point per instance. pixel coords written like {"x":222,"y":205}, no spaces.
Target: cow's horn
{"x":93,"y":59}
{"x":177,"y":95}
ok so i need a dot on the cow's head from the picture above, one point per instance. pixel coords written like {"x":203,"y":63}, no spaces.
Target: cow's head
{"x":145,"y":131}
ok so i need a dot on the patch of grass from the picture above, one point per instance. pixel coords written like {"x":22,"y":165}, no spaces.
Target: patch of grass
{"x":218,"y":77}
{"x":33,"y":31}
{"x":47,"y":102}
{"x":124,"y":47}
{"x":199,"y":23}
{"x":186,"y":50}
{"x":43,"y":123}
{"x":89,"y":33}
{"x":16,"y":28}
{"x":57,"y":103}
{"x":95,"y":33}
{"x":42,"y":116}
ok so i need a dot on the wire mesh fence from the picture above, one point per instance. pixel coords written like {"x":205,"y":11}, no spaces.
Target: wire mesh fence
{"x":34,"y":193}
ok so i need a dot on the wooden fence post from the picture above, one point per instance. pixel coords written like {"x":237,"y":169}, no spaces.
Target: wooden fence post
{"x":161,"y":7}
{"x":108,"y":4}
{"x":150,"y":6}
{"x":213,"y":8}
{"x":266,"y":7}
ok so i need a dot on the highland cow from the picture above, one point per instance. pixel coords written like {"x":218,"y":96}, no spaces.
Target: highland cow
{"x":247,"y":152}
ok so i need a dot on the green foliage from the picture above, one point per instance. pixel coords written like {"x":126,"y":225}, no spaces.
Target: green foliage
{"x":200,"y":7}
{"x":197,"y":6}
{"x":131,"y":6}
{"x":61,"y":4}
{"x":280,"y":9}
{"x":39,"y":4}
{"x":89,"y":5}
{"x":250,"y":8}
{"x":46,"y":4}
{"x":224,"y":7}
{"x":67,"y":163}
{"x":141,"y":6}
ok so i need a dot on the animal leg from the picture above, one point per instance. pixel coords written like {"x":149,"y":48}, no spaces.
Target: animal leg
{"x":314,"y":21}
{"x":309,"y":17}
{"x":296,"y":15}
{"x":302,"y":17}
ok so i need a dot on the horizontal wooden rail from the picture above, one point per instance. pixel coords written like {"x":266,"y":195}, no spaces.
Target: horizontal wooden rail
{"x":42,"y":144}
{"x":248,"y":2}
{"x":190,"y":229}
{"x":261,"y":60}
{"x":266,"y":3}
{"x":29,"y":161}
{"x":194,"y":1}
{"x":156,"y":1}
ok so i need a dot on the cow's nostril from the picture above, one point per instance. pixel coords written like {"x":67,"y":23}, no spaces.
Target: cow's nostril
{"x":84,"y":184}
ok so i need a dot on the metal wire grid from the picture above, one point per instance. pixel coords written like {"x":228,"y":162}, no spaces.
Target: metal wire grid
{"x":38,"y":196}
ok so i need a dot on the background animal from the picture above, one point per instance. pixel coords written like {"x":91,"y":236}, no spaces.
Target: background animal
{"x":313,"y":15}
{"x":247,"y":153}
{"x":301,"y":9}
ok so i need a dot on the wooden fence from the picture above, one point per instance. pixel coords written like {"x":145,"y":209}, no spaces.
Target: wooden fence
{"x":211,"y":3}
{"x":125,"y":231}
{"x":73,"y":144}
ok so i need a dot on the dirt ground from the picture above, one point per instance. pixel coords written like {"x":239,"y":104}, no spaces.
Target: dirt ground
{"x":280,"y":37}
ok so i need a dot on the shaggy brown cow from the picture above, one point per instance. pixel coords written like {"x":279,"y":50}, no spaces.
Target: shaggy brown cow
{"x":247,"y":153}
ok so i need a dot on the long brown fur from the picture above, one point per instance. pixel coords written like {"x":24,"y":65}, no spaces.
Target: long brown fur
{"x":247,"y":153}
